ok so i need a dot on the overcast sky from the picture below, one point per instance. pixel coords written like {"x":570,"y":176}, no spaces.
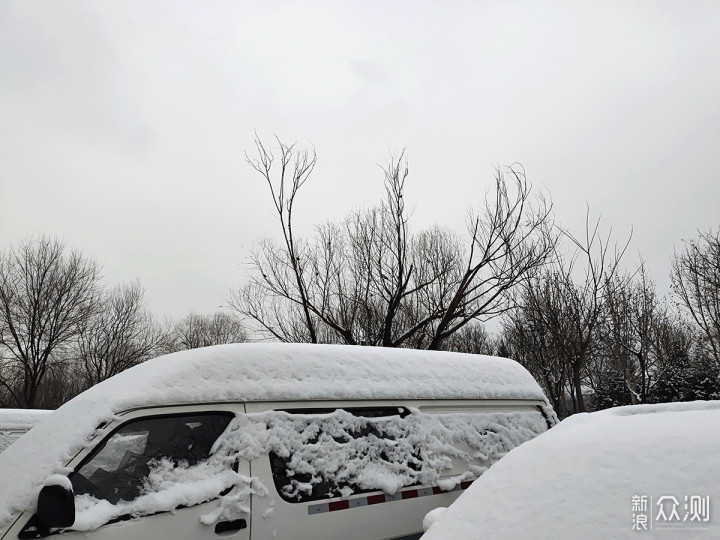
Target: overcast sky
{"x":123,"y":124}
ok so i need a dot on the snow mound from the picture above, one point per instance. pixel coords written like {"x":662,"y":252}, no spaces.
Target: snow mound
{"x":582,"y":478}
{"x":432,"y":516}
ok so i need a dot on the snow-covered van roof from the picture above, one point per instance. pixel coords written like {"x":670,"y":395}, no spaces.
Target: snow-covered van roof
{"x":253,"y":372}
{"x":276,"y":372}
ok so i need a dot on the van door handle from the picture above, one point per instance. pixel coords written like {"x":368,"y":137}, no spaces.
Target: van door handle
{"x":229,"y":526}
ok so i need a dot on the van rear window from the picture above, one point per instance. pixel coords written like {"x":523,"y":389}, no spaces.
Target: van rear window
{"x":296,"y":480}
{"x":327,"y":453}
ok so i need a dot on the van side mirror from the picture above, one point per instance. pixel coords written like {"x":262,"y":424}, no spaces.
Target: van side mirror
{"x":56,"y":507}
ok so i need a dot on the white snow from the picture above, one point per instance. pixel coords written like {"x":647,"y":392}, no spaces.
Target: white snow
{"x":6,"y":439}
{"x":58,"y":480}
{"x":386,"y":453}
{"x":15,"y":422}
{"x":21,"y":418}
{"x":252,"y":372}
{"x":432,"y":516}
{"x":578,"y":479}
{"x":396,"y":452}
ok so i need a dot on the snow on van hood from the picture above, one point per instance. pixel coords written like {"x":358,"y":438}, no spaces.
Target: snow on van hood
{"x":587,"y":477}
{"x":252,"y":372}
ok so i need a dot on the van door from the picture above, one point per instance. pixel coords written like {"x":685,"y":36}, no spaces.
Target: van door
{"x":145,"y":480}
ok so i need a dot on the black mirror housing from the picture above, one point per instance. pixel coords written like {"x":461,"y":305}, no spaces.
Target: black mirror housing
{"x":56,"y":507}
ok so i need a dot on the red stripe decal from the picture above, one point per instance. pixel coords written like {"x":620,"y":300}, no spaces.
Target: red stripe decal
{"x":339,"y":505}
{"x":376,"y":499}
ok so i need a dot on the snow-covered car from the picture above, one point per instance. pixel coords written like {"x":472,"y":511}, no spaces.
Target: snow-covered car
{"x":269,"y":441}
{"x":15,"y":422}
{"x":643,"y":471}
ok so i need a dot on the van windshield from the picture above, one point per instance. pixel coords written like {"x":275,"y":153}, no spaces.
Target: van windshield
{"x":118,"y":468}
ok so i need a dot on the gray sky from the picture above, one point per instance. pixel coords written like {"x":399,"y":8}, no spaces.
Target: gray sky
{"x":123,"y":124}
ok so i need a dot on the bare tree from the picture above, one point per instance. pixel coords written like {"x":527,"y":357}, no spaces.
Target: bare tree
{"x":196,"y":331}
{"x":472,"y":338}
{"x":510,"y":240}
{"x":696,"y":283}
{"x":294,"y":169}
{"x":62,"y":382}
{"x":557,"y":323}
{"x":120,"y":334}
{"x":637,"y":333}
{"x":583,"y":303}
{"x":46,"y":297}
{"x":533,"y":334}
{"x":371,"y":280}
{"x":357,"y":282}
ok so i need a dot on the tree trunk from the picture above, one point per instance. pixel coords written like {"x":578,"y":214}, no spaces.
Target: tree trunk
{"x":577,"y":383}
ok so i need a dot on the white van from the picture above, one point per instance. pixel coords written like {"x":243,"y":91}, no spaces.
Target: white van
{"x":16,"y":422}
{"x":269,"y":441}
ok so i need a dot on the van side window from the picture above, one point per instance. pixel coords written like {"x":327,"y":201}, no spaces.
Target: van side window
{"x":116,"y":470}
{"x":281,"y":466}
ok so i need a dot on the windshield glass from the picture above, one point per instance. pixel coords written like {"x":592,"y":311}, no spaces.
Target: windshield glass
{"x":118,"y":468}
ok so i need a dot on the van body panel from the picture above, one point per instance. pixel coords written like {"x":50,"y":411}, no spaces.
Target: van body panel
{"x":396,"y":517}
{"x":446,"y":388}
{"x":360,"y":516}
{"x":182,"y":523}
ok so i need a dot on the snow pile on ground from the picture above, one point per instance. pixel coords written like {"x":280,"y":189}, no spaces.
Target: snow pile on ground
{"x":335,"y":449}
{"x":247,"y":372}
{"x":586,"y":478}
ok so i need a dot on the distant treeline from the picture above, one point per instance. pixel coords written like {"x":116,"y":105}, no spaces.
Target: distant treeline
{"x":592,"y":331}
{"x":61,"y":331}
